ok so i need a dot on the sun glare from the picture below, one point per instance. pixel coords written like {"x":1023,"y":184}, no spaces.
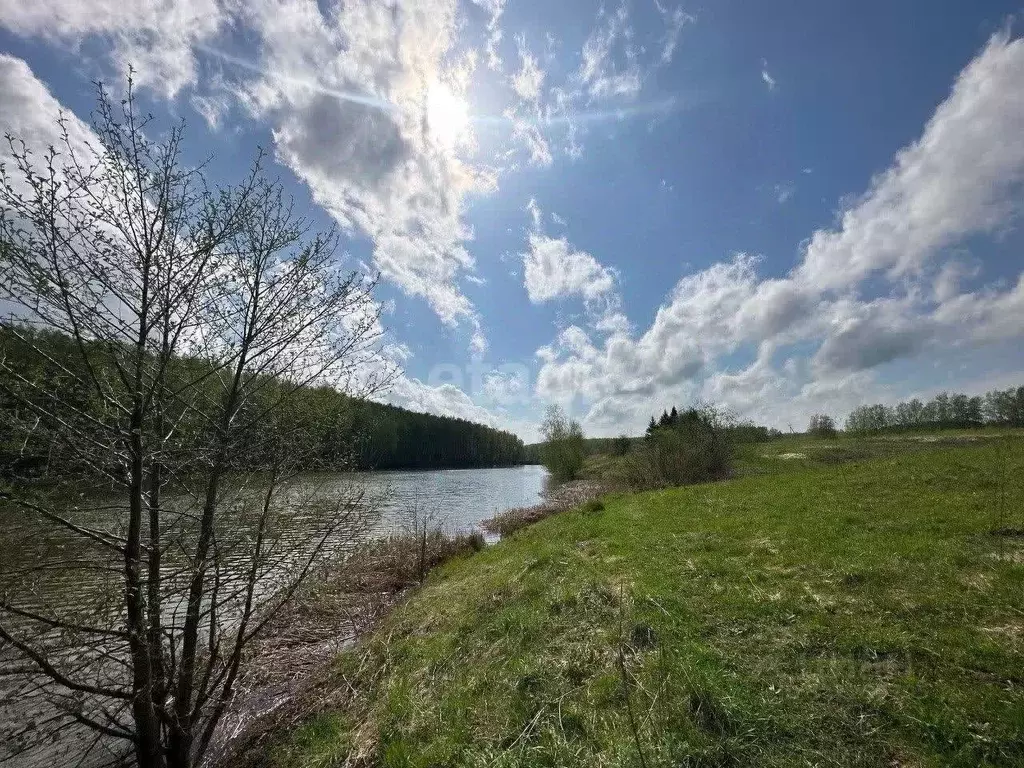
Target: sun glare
{"x":447,"y":116}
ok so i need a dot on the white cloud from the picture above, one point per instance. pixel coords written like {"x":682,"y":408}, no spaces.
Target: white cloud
{"x":750,"y":389}
{"x":495,"y":8}
{"x":509,"y":387}
{"x":553,"y":269}
{"x":962,"y":178}
{"x":613,"y":322}
{"x":529,"y":133}
{"x":768,"y":79}
{"x":610,"y":65}
{"x":985,"y":316}
{"x":783,"y":192}
{"x":28,"y":111}
{"x":529,"y":80}
{"x":864,"y":335}
{"x":501,"y":389}
{"x":365,"y":100}
{"x":675,"y":19}
{"x":550,"y":118}
{"x":441,"y":400}
{"x":366,"y":106}
{"x":153,"y":36}
{"x":536,"y":216}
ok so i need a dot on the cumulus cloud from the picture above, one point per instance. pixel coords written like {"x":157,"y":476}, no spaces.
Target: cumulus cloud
{"x":553,"y":269}
{"x":501,"y":390}
{"x":365,"y":101}
{"x":368,"y":110}
{"x":440,"y":400}
{"x":28,"y":111}
{"x":868,"y":334}
{"x":962,"y":178}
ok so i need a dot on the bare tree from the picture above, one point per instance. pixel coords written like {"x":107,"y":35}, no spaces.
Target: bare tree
{"x":192,"y":319}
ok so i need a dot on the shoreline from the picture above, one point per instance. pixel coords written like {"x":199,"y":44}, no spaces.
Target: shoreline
{"x":279,"y":687}
{"x":335,"y":610}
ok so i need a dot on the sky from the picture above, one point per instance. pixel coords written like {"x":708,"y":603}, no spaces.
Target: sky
{"x":782,"y":208}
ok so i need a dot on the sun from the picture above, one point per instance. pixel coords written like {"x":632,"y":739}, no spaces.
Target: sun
{"x":447,"y":116}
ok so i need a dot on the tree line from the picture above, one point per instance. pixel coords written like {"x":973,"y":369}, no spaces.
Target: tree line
{"x":341,"y":431}
{"x":944,"y":411}
{"x":591,"y":446}
{"x":737,"y":431}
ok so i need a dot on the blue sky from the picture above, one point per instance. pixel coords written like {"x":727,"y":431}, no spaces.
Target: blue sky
{"x":782,"y":207}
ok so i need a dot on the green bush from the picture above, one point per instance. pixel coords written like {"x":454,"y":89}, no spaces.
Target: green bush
{"x":822,"y":425}
{"x":696,"y":449}
{"x":563,"y":450}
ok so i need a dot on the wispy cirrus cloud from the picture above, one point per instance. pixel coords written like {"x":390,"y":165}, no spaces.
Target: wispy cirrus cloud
{"x":550,"y":117}
{"x":675,"y":19}
{"x":154,"y":37}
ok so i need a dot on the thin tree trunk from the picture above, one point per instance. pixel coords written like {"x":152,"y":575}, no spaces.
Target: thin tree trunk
{"x":147,"y":745}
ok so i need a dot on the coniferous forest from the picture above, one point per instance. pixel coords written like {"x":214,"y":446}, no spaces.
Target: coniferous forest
{"x":349,"y":432}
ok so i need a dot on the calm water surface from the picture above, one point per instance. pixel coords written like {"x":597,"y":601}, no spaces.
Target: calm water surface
{"x":33,"y":554}
{"x":458,"y":499}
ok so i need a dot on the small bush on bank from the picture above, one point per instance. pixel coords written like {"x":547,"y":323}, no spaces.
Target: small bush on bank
{"x":696,"y":449}
{"x":563,"y":451}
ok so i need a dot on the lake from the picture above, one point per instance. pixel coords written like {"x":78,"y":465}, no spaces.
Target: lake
{"x":458,"y":499}
{"x":32,"y":553}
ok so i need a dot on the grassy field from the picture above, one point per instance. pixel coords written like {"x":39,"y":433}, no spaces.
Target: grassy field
{"x":800,"y":451}
{"x":816,"y":611}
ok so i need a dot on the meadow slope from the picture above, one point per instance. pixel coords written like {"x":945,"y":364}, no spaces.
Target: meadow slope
{"x":867,"y":613}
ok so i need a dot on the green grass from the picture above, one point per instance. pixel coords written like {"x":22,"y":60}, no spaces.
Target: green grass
{"x":853,"y":614}
{"x":794,"y":452}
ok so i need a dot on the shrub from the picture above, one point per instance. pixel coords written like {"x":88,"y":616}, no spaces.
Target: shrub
{"x":822,"y":425}
{"x":696,"y":449}
{"x":748,"y":432}
{"x":621,"y":445}
{"x":563,"y":450}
